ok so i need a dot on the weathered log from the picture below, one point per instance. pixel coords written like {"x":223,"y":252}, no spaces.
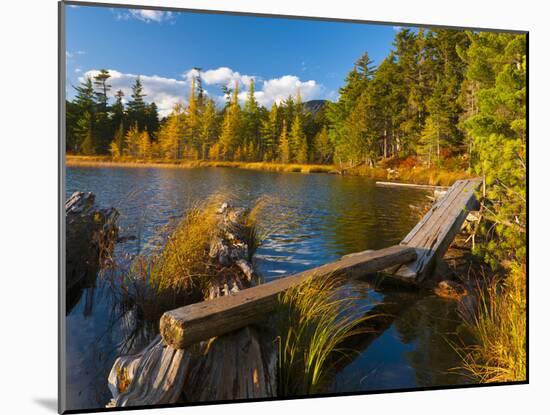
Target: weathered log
{"x":193,"y":323}
{"x":91,"y":233}
{"x":432,"y":236}
{"x":237,"y":365}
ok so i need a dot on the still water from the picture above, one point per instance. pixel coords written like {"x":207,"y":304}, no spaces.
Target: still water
{"x":310,"y":220}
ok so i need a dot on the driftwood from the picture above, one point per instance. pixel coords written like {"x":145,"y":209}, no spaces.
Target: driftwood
{"x":91,"y":233}
{"x":234,"y":366}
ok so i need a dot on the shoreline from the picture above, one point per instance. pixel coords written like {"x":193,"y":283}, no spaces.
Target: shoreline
{"x":400,"y":176}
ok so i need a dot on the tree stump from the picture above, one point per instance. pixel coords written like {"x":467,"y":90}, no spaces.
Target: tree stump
{"x":91,"y":233}
{"x":238,"y":365}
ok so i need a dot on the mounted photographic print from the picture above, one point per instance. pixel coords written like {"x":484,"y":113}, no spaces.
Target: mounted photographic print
{"x":259,"y":207}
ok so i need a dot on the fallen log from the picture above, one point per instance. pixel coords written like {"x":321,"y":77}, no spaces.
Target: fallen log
{"x":432,"y":236}
{"x":237,"y":365}
{"x":196,"y":322}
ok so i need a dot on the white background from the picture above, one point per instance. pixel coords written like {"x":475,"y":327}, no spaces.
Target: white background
{"x":28,"y":203}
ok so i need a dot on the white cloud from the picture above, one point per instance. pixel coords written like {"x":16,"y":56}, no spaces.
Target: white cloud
{"x":145,"y":15}
{"x":165,"y":92}
{"x":222,"y":76}
{"x":278,"y":89}
{"x":267,"y":91}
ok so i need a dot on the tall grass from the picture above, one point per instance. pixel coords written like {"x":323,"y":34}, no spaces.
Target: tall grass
{"x":314,"y":320}
{"x":500,"y":331}
{"x":182,"y":271}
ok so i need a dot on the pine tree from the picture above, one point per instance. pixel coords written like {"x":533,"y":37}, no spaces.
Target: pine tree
{"x":117,"y":110}
{"x":169,"y":136}
{"x":209,"y":128}
{"x":322,"y":147}
{"x":497,"y":64}
{"x":102,"y":88}
{"x":356,"y":82}
{"x":192,"y":122}
{"x":298,"y":141}
{"x":230,"y":138}
{"x":117,"y":145}
{"x":429,"y":145}
{"x":284,"y":149}
{"x":144,"y":145}
{"x":136,"y":107}
{"x":85,"y":132}
{"x":84,"y":98}
{"x":81,"y":115}
{"x":270,"y":132}
{"x":251,"y":123}
{"x":132,"y":142}
{"x":152,"y":119}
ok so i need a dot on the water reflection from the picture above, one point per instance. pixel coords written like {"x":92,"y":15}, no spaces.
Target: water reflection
{"x":309,"y":220}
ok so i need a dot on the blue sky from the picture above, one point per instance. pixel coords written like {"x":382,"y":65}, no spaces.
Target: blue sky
{"x":282,"y":55}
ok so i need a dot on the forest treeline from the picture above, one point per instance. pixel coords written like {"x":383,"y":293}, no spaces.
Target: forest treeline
{"x":423,"y":100}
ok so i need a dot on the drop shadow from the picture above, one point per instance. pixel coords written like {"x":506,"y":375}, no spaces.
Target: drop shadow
{"x":48,"y":403}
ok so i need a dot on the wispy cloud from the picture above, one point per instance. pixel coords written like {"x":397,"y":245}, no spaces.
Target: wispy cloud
{"x":71,"y":55}
{"x":145,"y":15}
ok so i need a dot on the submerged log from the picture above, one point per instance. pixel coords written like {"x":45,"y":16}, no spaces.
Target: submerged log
{"x":237,"y":365}
{"x":91,"y":233}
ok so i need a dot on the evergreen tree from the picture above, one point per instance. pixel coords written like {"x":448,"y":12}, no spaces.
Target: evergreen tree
{"x":102,"y":88}
{"x":322,"y":147}
{"x":298,"y":141}
{"x":270,"y":131}
{"x":192,"y":122}
{"x":230,"y":138}
{"x":132,"y":141}
{"x":85,"y":95}
{"x":117,"y":145}
{"x":251,"y":123}
{"x":169,"y":136}
{"x":117,"y":110}
{"x":284,"y":149}
{"x":356,"y":82}
{"x":152,"y":119}
{"x":497,"y":64}
{"x":144,"y":145}
{"x":85,"y":133}
{"x":209,"y":128}
{"x":136,"y":107}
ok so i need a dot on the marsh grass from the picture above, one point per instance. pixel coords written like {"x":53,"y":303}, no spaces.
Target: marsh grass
{"x":500,"y":330}
{"x":182,"y":271}
{"x":314,"y":320}
{"x":406,"y":174}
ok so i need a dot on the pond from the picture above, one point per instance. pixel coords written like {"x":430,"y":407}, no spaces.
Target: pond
{"x":311,"y":219}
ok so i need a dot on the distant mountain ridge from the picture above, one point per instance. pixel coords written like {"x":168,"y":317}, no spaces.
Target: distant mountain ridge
{"x":315,"y":105}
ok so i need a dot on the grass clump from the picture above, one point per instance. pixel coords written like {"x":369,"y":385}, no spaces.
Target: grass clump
{"x":500,"y":331}
{"x":315,"y":319}
{"x":183,"y":270}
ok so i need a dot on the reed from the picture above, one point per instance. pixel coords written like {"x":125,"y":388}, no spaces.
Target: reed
{"x":499,"y":328}
{"x":314,"y":320}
